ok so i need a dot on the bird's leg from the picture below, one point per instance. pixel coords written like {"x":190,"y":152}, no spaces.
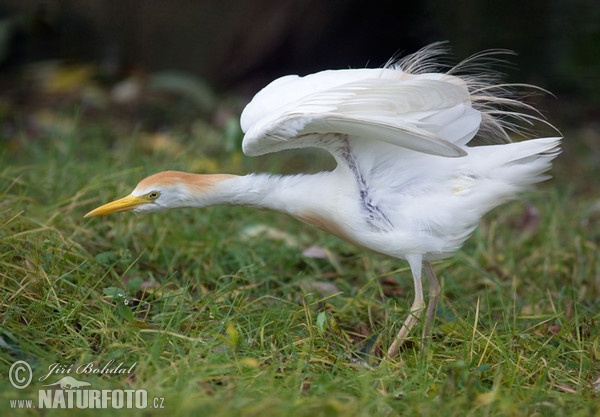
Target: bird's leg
{"x":416,"y":310}
{"x":434,"y":295}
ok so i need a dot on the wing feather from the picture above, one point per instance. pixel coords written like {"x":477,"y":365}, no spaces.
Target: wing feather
{"x":429,"y":113}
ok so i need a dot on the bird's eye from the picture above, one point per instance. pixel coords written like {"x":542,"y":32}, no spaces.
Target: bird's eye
{"x":153,"y":195}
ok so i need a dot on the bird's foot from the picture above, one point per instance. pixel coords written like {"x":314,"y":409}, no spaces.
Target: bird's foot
{"x":416,"y":312}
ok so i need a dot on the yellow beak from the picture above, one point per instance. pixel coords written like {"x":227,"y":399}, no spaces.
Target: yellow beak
{"x":123,"y":204}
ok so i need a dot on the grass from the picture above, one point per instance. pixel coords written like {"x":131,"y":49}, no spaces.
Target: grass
{"x":220,"y":319}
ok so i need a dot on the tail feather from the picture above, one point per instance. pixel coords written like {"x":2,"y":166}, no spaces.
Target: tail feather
{"x":529,"y":160}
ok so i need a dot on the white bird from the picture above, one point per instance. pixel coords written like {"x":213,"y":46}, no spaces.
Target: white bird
{"x":407,"y":184}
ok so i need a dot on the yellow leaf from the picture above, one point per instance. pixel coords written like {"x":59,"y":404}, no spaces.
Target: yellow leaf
{"x":68,"y":79}
{"x":249,"y":363}
{"x":232,"y":335}
{"x":486,"y":398}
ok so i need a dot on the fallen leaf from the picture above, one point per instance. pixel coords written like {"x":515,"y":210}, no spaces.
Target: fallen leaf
{"x":316,"y":252}
{"x":530,"y":218}
{"x":390,"y":287}
{"x":322,"y":288}
{"x":269,"y":232}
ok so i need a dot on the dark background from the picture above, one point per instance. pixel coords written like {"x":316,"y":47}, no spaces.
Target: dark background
{"x":238,"y":46}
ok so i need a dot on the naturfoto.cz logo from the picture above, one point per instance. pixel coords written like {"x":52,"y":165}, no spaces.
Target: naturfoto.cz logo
{"x":70,"y":392}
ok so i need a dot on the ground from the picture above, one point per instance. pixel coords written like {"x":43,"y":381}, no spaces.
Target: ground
{"x":230,"y":311}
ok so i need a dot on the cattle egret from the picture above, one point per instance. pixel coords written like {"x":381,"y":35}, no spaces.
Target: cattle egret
{"x":407,"y":184}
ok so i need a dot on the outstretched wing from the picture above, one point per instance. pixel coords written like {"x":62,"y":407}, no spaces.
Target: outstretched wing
{"x":429,"y":113}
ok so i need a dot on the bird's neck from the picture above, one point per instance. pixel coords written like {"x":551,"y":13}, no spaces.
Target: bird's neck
{"x":286,"y":194}
{"x":315,"y":199}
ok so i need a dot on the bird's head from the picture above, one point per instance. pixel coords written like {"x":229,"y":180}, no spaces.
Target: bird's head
{"x":165,"y":190}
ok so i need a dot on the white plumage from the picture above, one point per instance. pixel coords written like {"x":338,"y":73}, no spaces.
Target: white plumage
{"x":406,"y":183}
